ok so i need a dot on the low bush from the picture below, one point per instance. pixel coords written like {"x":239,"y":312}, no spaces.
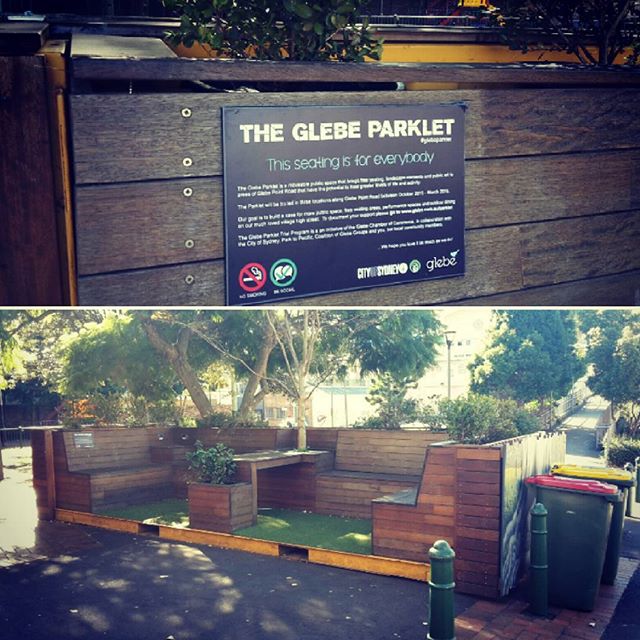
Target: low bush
{"x":222,"y":420}
{"x":278,"y":29}
{"x":478,"y":419}
{"x":214,"y":465}
{"x":620,"y":450}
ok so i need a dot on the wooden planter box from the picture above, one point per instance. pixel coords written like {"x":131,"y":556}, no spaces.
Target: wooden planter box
{"x":220,"y":507}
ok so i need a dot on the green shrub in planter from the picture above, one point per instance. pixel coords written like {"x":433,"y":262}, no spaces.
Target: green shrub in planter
{"x":620,"y":450}
{"x":214,"y":465}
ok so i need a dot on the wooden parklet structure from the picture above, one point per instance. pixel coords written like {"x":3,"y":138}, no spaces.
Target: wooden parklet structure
{"x":413,"y":485}
{"x":552,"y":191}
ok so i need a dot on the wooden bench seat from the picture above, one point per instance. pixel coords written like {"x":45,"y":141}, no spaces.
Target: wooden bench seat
{"x":108,"y":467}
{"x":384,"y":463}
{"x":122,"y":486}
{"x":405,"y":497}
{"x":349,"y":493}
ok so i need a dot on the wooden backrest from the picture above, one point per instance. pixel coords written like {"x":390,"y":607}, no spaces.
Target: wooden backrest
{"x":240,"y":440}
{"x":112,"y":448}
{"x":394,"y":452}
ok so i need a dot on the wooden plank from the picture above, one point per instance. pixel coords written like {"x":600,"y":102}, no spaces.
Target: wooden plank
{"x":483,"y":534}
{"x":618,"y":290}
{"x":472,"y":589}
{"x":489,"y":476}
{"x":548,"y":187}
{"x":477,"y":522}
{"x":483,"y":568}
{"x":132,"y":226}
{"x":478,"y":499}
{"x":222,"y":540}
{"x":265,"y":71}
{"x":371,"y":564}
{"x":108,"y":46}
{"x":162,"y":286}
{"x":499,"y":123}
{"x":476,"y":545}
{"x":31,"y":270}
{"x":565,"y":249}
{"x":20,"y":38}
{"x":550,"y":251}
{"x":477,"y":453}
{"x":93,"y":520}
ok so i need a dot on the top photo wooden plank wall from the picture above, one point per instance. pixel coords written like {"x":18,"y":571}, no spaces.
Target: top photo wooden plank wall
{"x":552,"y":183}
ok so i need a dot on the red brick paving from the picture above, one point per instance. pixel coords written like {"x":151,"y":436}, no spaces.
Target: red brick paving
{"x":508,"y":619}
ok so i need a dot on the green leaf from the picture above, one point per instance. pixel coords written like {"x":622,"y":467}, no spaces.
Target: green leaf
{"x":346,"y":8}
{"x":302,"y":10}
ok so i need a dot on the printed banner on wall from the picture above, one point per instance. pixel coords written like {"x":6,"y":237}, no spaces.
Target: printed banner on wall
{"x":327,"y":199}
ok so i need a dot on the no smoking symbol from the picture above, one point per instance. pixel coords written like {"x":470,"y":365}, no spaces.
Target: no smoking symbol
{"x":252,"y":277}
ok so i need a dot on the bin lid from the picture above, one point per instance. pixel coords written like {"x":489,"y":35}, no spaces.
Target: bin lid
{"x":572,"y":484}
{"x":619,"y":477}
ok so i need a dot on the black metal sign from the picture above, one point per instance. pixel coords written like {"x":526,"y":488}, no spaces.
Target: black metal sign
{"x":326,"y":199}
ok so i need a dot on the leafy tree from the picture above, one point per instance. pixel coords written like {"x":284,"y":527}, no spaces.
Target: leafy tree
{"x":241,"y":340}
{"x":602,"y":331}
{"x":31,"y":342}
{"x":613,"y":349}
{"x":595,"y":31}
{"x":310,"y":345}
{"x":277,"y":29}
{"x":113,"y":366}
{"x":397,"y":347}
{"x":531,"y":355}
{"x":627,"y":360}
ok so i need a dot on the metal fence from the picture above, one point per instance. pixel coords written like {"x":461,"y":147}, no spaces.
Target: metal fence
{"x":565,"y":406}
{"x":20,"y":436}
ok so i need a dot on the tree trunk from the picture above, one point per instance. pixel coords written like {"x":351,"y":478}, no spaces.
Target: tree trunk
{"x":176,"y":355}
{"x":302,"y":429}
{"x":251,"y":395}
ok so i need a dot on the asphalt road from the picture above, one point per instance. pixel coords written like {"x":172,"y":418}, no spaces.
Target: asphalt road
{"x":137,"y":588}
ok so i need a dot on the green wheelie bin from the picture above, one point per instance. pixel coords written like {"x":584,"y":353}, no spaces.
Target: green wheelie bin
{"x":625,"y":481}
{"x":578,"y":522}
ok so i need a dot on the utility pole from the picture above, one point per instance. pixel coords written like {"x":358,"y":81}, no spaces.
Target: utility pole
{"x":448,"y":336}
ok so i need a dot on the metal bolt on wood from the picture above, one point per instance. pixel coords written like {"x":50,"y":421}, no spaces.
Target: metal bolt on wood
{"x":539,"y":568}
{"x":441,"y":585}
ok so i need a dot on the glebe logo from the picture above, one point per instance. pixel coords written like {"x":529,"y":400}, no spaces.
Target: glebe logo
{"x":442,"y":263}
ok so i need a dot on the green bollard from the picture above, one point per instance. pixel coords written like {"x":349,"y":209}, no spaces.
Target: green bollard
{"x":441,"y":585}
{"x":632,"y":491}
{"x":538,"y":585}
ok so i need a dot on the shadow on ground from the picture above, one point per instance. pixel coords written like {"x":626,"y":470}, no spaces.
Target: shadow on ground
{"x":137,"y":587}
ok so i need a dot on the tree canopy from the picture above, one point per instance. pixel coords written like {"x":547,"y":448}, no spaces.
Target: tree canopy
{"x":531,"y":355}
{"x":613,"y":350}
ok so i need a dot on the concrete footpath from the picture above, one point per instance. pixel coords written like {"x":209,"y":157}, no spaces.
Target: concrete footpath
{"x":70,"y":581}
